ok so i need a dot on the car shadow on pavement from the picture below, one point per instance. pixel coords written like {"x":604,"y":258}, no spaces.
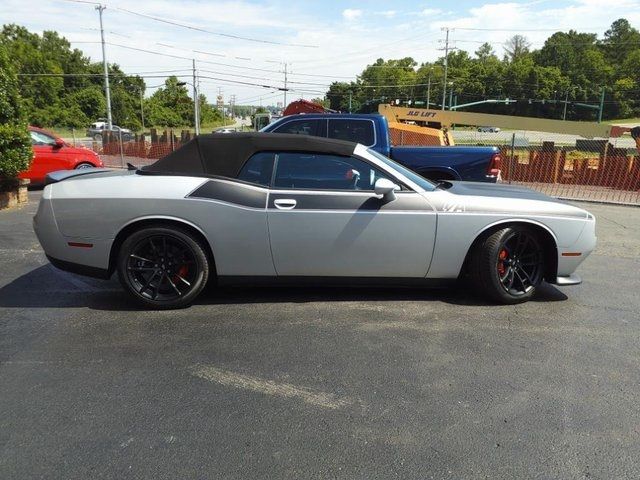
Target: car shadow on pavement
{"x":47,"y":287}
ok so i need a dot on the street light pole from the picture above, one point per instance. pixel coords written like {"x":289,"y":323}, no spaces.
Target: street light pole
{"x":566,"y":100}
{"x":107,"y":90}
{"x":601,"y":106}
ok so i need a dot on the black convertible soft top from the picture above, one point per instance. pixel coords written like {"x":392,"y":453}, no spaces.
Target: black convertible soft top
{"x":224,"y":154}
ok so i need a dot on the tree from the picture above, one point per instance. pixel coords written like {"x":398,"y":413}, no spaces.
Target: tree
{"x":71,"y":99}
{"x":485,"y":52}
{"x":620,"y":40}
{"x":516,"y":47}
{"x":208,"y":114}
{"x":171,"y":105}
{"x":15,"y":146}
{"x":320,"y":101}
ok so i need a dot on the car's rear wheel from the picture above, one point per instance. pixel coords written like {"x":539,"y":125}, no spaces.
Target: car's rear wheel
{"x":97,"y":137}
{"x":84,"y":165}
{"x":163,"y":267}
{"x":508,"y":265}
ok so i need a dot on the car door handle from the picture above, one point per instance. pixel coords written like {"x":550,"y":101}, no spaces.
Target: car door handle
{"x":285,"y":203}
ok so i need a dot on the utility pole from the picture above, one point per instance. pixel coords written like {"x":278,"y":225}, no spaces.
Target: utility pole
{"x":232,"y":104}
{"x":446,"y":63}
{"x":107,"y":90}
{"x":142,"y":107}
{"x":196,"y":100}
{"x":429,"y":89}
{"x":349,"y":101}
{"x":601,"y":106}
{"x":566,"y":100}
{"x":285,"y":86}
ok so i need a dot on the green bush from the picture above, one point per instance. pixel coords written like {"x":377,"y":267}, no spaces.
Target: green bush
{"x":15,"y":151}
{"x":15,"y":145}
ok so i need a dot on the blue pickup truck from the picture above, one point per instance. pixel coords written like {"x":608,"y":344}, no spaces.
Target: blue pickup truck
{"x":479,"y":164}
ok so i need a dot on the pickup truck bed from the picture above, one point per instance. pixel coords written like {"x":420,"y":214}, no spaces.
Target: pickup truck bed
{"x":480,"y":164}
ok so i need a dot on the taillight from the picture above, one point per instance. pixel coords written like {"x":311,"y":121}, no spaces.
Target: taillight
{"x":494,"y":165}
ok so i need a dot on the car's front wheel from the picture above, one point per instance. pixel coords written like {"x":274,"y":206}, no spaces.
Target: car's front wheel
{"x":508,"y":265}
{"x":163,"y":267}
{"x":84,"y":165}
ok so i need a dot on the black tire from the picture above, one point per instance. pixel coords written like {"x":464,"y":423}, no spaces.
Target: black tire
{"x":163,"y":267}
{"x":508,"y":265}
{"x":83,"y":165}
{"x":97,"y":137}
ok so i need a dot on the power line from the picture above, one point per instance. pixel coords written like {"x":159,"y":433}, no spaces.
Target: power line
{"x":196,"y":28}
{"x":584,"y":30}
{"x":211,"y":32}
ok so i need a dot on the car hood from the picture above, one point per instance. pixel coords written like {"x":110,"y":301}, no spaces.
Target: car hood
{"x":476,"y":197}
{"x":79,"y":150}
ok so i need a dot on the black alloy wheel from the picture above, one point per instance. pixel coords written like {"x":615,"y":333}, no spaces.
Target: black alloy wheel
{"x":509,"y":265}
{"x":163,"y":267}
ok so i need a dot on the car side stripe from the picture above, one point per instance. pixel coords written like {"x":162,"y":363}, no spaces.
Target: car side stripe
{"x":234,"y":193}
{"x":313,"y":201}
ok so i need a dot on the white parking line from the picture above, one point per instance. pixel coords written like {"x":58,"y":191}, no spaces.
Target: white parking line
{"x":269,"y":387}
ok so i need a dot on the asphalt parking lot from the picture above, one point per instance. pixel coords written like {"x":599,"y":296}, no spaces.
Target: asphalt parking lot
{"x":317,"y":382}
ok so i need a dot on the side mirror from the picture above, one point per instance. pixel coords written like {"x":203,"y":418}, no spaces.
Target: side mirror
{"x":59,"y":143}
{"x":386,"y":188}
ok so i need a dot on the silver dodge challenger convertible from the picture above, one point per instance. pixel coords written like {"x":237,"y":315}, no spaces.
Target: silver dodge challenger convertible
{"x":254,"y":206}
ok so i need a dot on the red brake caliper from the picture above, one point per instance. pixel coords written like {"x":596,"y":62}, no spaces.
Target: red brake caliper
{"x":502,"y":256}
{"x":182,"y":272}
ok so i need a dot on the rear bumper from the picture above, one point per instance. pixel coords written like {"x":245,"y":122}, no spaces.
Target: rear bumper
{"x":572,"y":279}
{"x":85,"y":270}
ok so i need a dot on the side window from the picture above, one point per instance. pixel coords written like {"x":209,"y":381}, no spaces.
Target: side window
{"x":300,"y":127}
{"x":309,"y":171}
{"x":39,"y":138}
{"x":360,"y":131}
{"x":258,"y":169}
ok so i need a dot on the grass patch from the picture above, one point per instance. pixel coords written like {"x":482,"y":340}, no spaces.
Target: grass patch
{"x":633,"y":121}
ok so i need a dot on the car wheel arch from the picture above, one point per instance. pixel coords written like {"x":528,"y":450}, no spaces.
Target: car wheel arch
{"x":547,"y":237}
{"x":146,"y":222}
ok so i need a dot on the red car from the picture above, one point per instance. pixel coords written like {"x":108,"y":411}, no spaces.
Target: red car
{"x":51,"y":153}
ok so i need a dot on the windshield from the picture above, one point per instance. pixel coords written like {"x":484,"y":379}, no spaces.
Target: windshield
{"x":411,"y":175}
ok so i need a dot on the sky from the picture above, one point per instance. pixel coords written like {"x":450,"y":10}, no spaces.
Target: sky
{"x":319,"y":41}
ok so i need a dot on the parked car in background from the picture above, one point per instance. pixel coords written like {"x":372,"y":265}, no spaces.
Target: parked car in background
{"x":97,"y":129}
{"x":51,"y":153}
{"x":225,"y":130}
{"x":489,"y":129}
{"x":472,"y":163}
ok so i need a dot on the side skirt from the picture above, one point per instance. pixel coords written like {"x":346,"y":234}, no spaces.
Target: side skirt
{"x":336,"y":281}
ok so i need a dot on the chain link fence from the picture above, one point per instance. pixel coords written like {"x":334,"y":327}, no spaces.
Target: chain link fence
{"x":563,"y":166}
{"x":119,"y":151}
